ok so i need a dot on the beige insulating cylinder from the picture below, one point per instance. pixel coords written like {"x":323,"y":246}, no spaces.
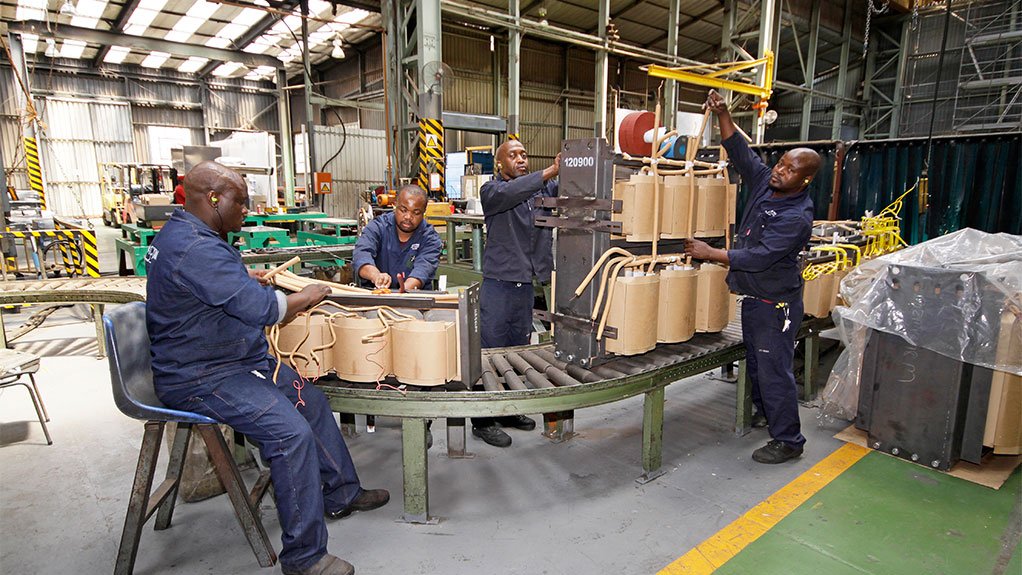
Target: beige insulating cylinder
{"x":676,"y":314}
{"x":641,"y":209}
{"x":633,"y":312}
{"x":624,"y":190}
{"x":314,"y":364}
{"x":1003,"y":430}
{"x":675,"y":220}
{"x":712,"y":298}
{"x":835,"y":292}
{"x":817,"y":295}
{"x":711,"y":208}
{"x":425,"y":352}
{"x":354,"y":360}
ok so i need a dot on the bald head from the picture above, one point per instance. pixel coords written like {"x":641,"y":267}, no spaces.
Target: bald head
{"x":218,"y":196}
{"x":793,"y":172}
{"x":512,"y":159}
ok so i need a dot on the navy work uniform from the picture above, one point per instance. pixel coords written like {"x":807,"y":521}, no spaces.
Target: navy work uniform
{"x":205,"y":318}
{"x":379,"y":246}
{"x":516,"y":251}
{"x":764,"y":268}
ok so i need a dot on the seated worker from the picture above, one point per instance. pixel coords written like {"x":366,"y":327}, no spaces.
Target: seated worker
{"x":205,"y":313}
{"x":516,"y":252}
{"x":398,"y":250}
{"x":764,"y":268}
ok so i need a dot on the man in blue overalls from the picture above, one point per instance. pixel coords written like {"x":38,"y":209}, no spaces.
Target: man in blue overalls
{"x":398,"y":250}
{"x":205,"y":313}
{"x":775,"y":226}
{"x":516,"y":252}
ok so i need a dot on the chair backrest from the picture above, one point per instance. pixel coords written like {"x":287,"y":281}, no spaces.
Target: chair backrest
{"x":127,"y":349}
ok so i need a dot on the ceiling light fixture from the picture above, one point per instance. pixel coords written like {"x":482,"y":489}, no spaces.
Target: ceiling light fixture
{"x":68,"y":9}
{"x":338,"y":51}
{"x":51,"y":48}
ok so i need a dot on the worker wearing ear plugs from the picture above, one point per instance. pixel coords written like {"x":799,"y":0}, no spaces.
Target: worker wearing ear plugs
{"x":764,"y":268}
{"x":205,"y":313}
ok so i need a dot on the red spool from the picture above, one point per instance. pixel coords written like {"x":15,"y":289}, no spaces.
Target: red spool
{"x":633,"y":128}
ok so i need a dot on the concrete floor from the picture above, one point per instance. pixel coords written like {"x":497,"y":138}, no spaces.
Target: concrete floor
{"x":535,"y":507}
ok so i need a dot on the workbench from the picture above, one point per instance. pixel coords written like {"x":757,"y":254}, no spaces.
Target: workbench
{"x":328,"y":231}
{"x":260,"y":236}
{"x":476,"y":224}
{"x":263,"y":219}
{"x":135,"y":241}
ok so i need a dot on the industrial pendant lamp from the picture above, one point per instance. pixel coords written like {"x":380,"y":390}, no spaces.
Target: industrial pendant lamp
{"x":338,"y":51}
{"x":68,"y":9}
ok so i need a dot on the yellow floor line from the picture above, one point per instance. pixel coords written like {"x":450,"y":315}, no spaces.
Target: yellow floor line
{"x":729,"y":541}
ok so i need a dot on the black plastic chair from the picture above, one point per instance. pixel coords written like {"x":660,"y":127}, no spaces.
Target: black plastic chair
{"x":127,"y":344}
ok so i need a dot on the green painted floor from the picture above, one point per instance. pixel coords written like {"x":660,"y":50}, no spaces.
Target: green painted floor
{"x":885,"y":516}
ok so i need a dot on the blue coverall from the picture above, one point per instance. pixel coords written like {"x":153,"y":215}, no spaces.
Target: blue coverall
{"x":764,"y":267}
{"x":205,"y":318}
{"x":379,"y":246}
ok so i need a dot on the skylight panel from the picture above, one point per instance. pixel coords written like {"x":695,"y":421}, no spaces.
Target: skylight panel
{"x":72,"y":49}
{"x":30,"y":10}
{"x":88,"y":13}
{"x":192,"y":65}
{"x":29,"y":43}
{"x":155,"y":59}
{"x":217,"y":42}
{"x":116,"y":54}
{"x":227,"y":69}
{"x":231,"y":31}
{"x":248,"y":16}
{"x":352,"y":16}
{"x":202,"y":10}
{"x":140,"y":20}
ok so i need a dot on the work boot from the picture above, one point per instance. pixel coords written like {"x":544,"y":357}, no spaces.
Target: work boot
{"x":776,"y":452}
{"x":327,"y":565}
{"x":518,"y":422}
{"x":493,"y":435}
{"x":368,"y":500}
{"x":759,"y":420}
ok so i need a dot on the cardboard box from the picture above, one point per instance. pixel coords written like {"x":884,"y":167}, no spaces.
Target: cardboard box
{"x":155,"y":199}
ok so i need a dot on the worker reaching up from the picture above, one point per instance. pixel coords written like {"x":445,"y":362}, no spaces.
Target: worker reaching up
{"x":517,"y":252}
{"x":765,"y":271}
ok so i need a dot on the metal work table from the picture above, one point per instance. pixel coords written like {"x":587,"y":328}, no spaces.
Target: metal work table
{"x":261,"y":219}
{"x":261,"y":237}
{"x":328,"y":231}
{"x":476,"y":224}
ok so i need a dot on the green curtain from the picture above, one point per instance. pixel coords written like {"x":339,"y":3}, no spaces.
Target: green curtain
{"x":974,"y":182}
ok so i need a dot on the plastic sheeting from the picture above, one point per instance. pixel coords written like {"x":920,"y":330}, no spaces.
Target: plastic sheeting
{"x":946,"y":295}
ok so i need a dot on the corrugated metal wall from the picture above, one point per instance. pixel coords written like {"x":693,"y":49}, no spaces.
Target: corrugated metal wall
{"x":361,"y":164}
{"x":109,"y":122}
{"x":79,"y":135}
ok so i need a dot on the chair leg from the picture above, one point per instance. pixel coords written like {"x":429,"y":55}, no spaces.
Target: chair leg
{"x":175,"y":466}
{"x":38,"y":411}
{"x":139,"y":501}
{"x":229,"y":475}
{"x":38,"y":395}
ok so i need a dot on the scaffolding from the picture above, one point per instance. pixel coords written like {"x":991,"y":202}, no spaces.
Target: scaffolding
{"x":989,"y":95}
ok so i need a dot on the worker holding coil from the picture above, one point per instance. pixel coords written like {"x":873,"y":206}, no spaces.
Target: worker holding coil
{"x":764,"y":270}
{"x":205,"y":313}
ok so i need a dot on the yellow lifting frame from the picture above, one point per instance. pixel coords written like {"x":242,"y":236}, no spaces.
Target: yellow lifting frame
{"x":688,"y":75}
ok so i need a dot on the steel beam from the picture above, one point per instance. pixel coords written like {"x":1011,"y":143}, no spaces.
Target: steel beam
{"x":842,"y":75}
{"x":103,"y":37}
{"x":514,"y":48}
{"x":310,"y":122}
{"x":769,"y":23}
{"x":810,"y":72}
{"x":118,"y":26}
{"x":287,"y":159}
{"x":475,"y":123}
{"x":600,"y":89}
{"x":671,"y":87}
{"x":899,"y":83}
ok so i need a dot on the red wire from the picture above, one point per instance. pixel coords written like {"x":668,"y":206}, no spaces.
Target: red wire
{"x":298,"y":385}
